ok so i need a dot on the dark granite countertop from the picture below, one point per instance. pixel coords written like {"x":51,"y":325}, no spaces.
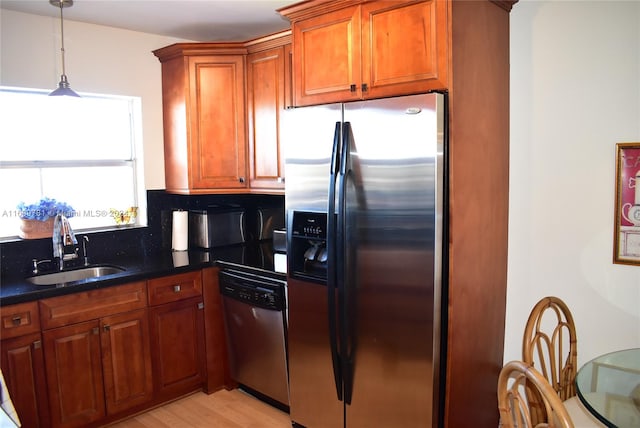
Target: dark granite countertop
{"x":253,"y":258}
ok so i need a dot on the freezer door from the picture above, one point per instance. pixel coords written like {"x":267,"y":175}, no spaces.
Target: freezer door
{"x":393,"y":279}
{"x":308,"y":142}
{"x":308,"y":146}
{"x":313,"y":399}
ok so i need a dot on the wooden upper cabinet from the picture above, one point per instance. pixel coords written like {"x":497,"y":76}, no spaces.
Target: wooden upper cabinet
{"x":204,"y":117}
{"x":266,"y":103}
{"x":404,"y":47}
{"x":351,"y":50}
{"x":327,"y":57}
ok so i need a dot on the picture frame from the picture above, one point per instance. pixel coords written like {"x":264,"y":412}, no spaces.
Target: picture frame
{"x":626,"y":239}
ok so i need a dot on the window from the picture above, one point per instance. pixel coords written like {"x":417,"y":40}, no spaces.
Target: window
{"x":84,"y":151}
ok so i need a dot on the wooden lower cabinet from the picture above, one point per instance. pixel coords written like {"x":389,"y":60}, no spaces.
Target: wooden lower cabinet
{"x":98,"y":368}
{"x":178,"y":351}
{"x":74,"y":374}
{"x":22,"y":362}
{"x":89,"y":358}
{"x":126,"y":360}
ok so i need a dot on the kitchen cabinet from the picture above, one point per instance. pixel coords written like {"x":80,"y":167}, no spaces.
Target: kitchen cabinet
{"x":218,"y":373}
{"x":204,"y":118}
{"x":74,"y":374}
{"x":352,"y":50}
{"x":217,"y":138}
{"x":268,"y":84}
{"x":177,"y":334}
{"x":89,"y":358}
{"x":97,"y":353}
{"x":22,"y":362}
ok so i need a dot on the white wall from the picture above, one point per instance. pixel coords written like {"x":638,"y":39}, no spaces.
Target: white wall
{"x":98,"y":59}
{"x":575,"y":93}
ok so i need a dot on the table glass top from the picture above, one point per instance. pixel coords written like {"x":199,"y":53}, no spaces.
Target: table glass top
{"x":609,"y":386}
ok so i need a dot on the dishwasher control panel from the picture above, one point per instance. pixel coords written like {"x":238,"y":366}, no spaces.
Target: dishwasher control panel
{"x":262,"y":292}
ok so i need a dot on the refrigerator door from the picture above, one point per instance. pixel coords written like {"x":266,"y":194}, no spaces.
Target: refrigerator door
{"x":393,"y":278}
{"x":313,"y":396}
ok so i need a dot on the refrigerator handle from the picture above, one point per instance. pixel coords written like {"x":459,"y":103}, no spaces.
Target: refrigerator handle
{"x":331,"y":261}
{"x":343,"y":274}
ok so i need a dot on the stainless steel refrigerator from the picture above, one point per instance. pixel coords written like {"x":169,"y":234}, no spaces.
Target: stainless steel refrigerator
{"x":364,"y":205}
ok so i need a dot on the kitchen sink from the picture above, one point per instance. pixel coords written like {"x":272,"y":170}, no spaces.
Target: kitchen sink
{"x":74,"y":275}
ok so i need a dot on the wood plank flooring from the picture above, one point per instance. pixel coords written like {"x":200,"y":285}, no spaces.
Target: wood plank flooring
{"x":222,"y":409}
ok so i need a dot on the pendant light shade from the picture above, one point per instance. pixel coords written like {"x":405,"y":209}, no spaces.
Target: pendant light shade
{"x":63,"y":86}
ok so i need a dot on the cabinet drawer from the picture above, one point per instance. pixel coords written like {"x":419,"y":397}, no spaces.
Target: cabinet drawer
{"x":19,"y":319}
{"x":175,"y":287}
{"x":88,"y":305}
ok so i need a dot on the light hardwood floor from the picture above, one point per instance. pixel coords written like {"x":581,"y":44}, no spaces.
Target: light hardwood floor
{"x":222,"y":409}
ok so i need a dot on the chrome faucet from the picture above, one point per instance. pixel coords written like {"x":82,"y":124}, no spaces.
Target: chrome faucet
{"x":64,"y":240}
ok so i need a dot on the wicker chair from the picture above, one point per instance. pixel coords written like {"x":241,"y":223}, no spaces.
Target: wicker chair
{"x":515,"y":378}
{"x":551,"y":346}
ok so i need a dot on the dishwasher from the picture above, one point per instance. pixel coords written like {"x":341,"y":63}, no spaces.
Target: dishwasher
{"x":255,"y":321}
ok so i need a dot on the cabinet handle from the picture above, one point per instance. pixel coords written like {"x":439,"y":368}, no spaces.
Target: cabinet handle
{"x":280,"y":179}
{"x":95,"y":330}
{"x":37,"y":344}
{"x":176,"y":288}
{"x":200,"y":305}
{"x":365,"y":88}
{"x":352,"y":88}
{"x":17,"y":320}
{"x":241,"y":179}
{"x":107,"y":327}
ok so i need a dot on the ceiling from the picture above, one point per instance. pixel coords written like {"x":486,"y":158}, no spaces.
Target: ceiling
{"x":197,"y":20}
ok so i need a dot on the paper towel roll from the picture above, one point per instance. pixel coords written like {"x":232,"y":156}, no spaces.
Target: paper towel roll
{"x":180,"y":258}
{"x":180,"y":231}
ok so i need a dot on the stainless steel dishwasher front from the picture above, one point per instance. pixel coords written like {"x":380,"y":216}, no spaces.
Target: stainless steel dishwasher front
{"x":255,"y":323}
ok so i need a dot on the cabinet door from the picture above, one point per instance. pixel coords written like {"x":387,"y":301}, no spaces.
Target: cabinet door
{"x":126,"y":360}
{"x":327,"y":57}
{"x":74,"y":374}
{"x":265,"y":106}
{"x":404,"y":47}
{"x":23,"y":370}
{"x":177,"y":347}
{"x":217,"y":155}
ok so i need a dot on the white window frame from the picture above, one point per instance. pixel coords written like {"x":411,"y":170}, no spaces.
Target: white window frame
{"x":135,"y":163}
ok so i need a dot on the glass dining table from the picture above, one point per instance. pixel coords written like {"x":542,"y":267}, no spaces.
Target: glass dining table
{"x":609,"y":387}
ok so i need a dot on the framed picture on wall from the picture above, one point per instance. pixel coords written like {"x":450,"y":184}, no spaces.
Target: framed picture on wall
{"x":626,"y":249}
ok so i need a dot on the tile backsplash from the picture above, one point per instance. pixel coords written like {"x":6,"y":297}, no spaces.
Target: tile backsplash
{"x":16,"y":256}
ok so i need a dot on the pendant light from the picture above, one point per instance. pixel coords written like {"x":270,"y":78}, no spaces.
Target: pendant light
{"x":63,"y":86}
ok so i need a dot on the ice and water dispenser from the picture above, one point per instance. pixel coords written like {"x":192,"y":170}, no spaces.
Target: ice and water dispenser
{"x":308,"y":252}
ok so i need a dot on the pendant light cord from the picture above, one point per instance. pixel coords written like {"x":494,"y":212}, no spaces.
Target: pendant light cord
{"x":62,"y":37}
{"x":63,"y":86}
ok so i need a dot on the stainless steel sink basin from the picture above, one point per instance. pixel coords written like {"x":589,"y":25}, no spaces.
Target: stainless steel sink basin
{"x":74,"y":275}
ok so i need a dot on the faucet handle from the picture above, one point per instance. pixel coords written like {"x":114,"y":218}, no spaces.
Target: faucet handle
{"x":36,"y":265}
{"x":85,"y":239}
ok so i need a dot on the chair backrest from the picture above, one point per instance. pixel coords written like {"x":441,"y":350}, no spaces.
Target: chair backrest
{"x":550,"y":345}
{"x":516,"y":378}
